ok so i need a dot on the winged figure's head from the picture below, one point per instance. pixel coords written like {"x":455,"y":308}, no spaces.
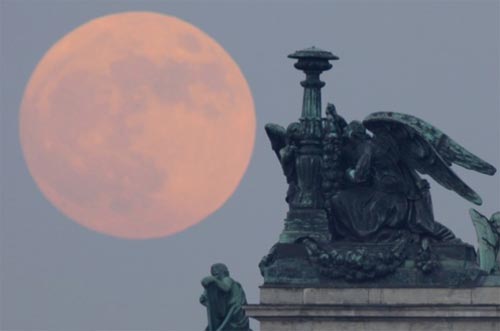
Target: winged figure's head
{"x":356,"y":130}
{"x":294,"y":132}
{"x":331,"y":110}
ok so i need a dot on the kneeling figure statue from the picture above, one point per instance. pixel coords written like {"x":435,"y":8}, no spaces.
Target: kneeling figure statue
{"x":224,"y":298}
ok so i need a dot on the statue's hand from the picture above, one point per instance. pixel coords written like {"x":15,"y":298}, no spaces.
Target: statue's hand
{"x":207,"y":280}
{"x":350,"y":174}
{"x":203,"y":299}
{"x":423,"y":185}
{"x":287,"y":155}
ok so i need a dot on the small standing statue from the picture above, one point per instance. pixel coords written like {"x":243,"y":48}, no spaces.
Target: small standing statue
{"x":224,"y":298}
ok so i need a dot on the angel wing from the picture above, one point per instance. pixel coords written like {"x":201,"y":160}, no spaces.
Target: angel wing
{"x":429,"y":151}
{"x":495,"y":222}
{"x":277,"y":136}
{"x":486,"y":239}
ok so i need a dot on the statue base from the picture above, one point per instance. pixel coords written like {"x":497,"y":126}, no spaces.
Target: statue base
{"x":377,"y":309}
{"x":312,"y":223}
{"x":350,"y":265}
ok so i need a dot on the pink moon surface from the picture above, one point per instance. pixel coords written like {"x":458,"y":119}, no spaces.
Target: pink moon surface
{"x":137,"y":125}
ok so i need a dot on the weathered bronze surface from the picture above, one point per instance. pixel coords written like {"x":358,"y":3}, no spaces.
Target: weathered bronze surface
{"x":358,"y":209}
{"x":488,"y":237}
{"x":224,"y":298}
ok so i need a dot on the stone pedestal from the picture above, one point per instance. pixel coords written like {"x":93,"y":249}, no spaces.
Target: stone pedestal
{"x":377,"y":309}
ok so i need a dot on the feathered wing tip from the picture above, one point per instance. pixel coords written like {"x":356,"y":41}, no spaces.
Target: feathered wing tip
{"x":448,"y":149}
{"x":475,"y":215}
{"x":457,"y":154}
{"x":277,"y":136}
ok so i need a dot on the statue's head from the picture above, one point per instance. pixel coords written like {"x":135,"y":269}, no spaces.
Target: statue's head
{"x":294,"y":132}
{"x":331,"y":110}
{"x":356,"y":130}
{"x":219,"y":270}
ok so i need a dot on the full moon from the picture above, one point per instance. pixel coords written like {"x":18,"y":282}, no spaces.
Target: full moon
{"x":137,"y":125}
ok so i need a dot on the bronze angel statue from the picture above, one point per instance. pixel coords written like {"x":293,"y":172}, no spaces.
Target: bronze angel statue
{"x":370,"y":175}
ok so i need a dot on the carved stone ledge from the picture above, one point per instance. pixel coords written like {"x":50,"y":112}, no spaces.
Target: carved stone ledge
{"x":369,"y":309}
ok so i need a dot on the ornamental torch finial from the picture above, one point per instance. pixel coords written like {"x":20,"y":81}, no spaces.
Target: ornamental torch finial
{"x":313,"y":61}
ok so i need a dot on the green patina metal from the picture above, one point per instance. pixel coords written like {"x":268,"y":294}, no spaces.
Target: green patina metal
{"x":488,"y":237}
{"x":359,"y":212}
{"x":224,"y":299}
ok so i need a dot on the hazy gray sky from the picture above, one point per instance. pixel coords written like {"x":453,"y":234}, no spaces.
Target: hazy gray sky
{"x":436,"y":60}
